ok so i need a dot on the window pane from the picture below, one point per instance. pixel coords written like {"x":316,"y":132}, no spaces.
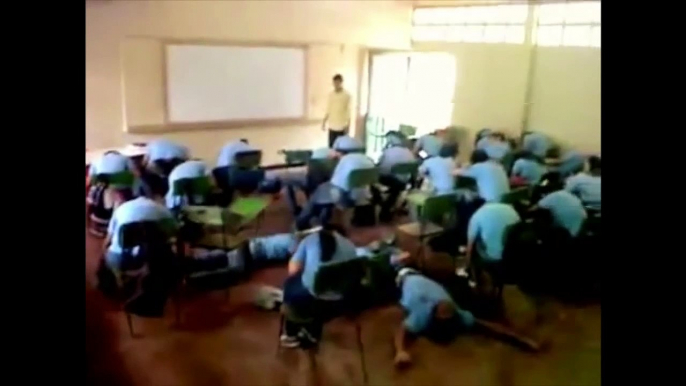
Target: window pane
{"x":455,"y":33}
{"x":428,"y":33}
{"x":514,"y":14}
{"x":583,"y":12}
{"x":455,"y":15}
{"x":475,"y":15}
{"x":595,"y":36}
{"x":515,"y":34}
{"x":431,"y":15}
{"x":549,"y":35}
{"x":551,"y":13}
{"x":495,"y":33}
{"x":577,"y":36}
{"x":473,"y":34}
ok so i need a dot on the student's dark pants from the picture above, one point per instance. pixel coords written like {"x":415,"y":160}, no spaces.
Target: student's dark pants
{"x":395,"y":187}
{"x":450,"y":241}
{"x":333,"y":134}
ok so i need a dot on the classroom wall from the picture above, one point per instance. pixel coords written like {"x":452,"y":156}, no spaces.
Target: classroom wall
{"x":340,"y":30}
{"x":491,"y":88}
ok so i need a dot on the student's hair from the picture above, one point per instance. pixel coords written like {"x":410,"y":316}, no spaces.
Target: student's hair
{"x":479,"y":155}
{"x":594,"y":165}
{"x":442,"y":331}
{"x":245,"y":141}
{"x":338,"y":77}
{"x":111,"y":152}
{"x":327,"y":241}
{"x":498,"y":135}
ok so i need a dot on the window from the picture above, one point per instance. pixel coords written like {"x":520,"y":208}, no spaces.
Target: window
{"x":483,"y":24}
{"x":572,"y":24}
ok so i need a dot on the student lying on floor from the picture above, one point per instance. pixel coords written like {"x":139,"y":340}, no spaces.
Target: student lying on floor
{"x":586,"y":185}
{"x":430,"y":144}
{"x":430,"y":311}
{"x":395,"y":153}
{"x":137,"y":210}
{"x":495,"y":146}
{"x":160,"y":158}
{"x":326,"y":246}
{"x":186,"y":170}
{"x":529,"y":169}
{"x":537,"y":144}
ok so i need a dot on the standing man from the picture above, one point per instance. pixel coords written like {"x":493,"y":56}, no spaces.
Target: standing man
{"x":337,"y":117}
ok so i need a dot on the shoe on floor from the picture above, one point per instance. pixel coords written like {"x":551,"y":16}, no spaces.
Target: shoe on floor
{"x":289,"y":341}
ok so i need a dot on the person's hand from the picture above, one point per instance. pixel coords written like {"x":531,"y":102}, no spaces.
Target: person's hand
{"x":402,"y":359}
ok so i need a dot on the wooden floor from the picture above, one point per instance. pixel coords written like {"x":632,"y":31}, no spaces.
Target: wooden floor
{"x":230,"y":342}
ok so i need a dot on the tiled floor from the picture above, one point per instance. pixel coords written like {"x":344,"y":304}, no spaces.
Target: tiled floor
{"x":229,"y":342}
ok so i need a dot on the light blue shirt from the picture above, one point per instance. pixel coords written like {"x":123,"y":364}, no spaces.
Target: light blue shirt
{"x":439,"y":170}
{"x":111,"y":163}
{"x":496,"y":150}
{"x":227,"y":155}
{"x":321,"y":153}
{"x":137,"y":210}
{"x":309,"y":254}
{"x":346,"y":165}
{"x":346,"y":142}
{"x":491,"y":180}
{"x":586,"y":187}
{"x":566,"y":209}
{"x":571,"y":162}
{"x":487,"y":228}
{"x":163,"y":149}
{"x":395,"y":155}
{"x":430,"y":143}
{"x":530,"y":170}
{"x":419,"y":297}
{"x":188,"y":169}
{"x":536,"y":143}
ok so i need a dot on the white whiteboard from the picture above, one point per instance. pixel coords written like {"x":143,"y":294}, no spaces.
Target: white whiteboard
{"x":227,"y":83}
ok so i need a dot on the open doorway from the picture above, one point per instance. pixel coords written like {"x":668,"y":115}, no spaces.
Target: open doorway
{"x":408,"y":88}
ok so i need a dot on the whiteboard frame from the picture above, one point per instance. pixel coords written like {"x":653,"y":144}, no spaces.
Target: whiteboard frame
{"x":233,"y":123}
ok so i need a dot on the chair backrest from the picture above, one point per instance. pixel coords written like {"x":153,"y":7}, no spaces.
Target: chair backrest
{"x":341,"y":276}
{"x":146,"y":232}
{"x":250,"y":159}
{"x":405,"y":169}
{"x":320,"y":170}
{"x":165,"y":166}
{"x":190,"y":187}
{"x":122,"y":179}
{"x":221,"y":177}
{"x":363,"y":177}
{"x":297,"y":156}
{"x":465,"y":182}
{"x":517,"y":196}
{"x":359,"y":150}
{"x":408,"y":130}
{"x":439,"y":209}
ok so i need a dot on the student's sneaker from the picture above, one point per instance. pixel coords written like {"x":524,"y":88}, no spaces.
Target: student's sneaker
{"x":306,"y":339}
{"x":289,"y":341}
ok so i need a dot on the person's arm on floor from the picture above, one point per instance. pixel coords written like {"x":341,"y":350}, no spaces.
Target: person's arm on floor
{"x":501,"y":332}
{"x":402,"y":357}
{"x":297,"y":262}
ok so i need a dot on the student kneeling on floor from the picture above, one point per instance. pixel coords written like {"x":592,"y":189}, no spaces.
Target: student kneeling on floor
{"x":102,"y":195}
{"x":395,"y":153}
{"x":315,"y":250}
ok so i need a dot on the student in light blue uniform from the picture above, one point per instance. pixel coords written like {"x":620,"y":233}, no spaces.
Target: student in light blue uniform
{"x":227,"y":155}
{"x":491,"y":179}
{"x":137,"y":210}
{"x":430,"y":144}
{"x":394,"y":154}
{"x":566,"y":210}
{"x":111,"y":162}
{"x":495,"y":146}
{"x":346,"y":165}
{"x":487,"y":229}
{"x":346,"y":143}
{"x":163,"y":149}
{"x":586,"y":186}
{"x":439,"y":171}
{"x":188,"y":169}
{"x":324,"y":247}
{"x":571,"y":163}
{"x":537,"y":144}
{"x":529,"y":168}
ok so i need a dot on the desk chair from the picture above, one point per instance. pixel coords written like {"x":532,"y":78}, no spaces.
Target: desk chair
{"x":344,"y":277}
{"x":402,"y":171}
{"x":151,"y":233}
{"x":122,"y":179}
{"x":358,"y":179}
{"x":465,"y":182}
{"x":159,"y":181}
{"x":195,"y":190}
{"x":519,"y":198}
{"x":435,"y":215}
{"x":296,"y":157}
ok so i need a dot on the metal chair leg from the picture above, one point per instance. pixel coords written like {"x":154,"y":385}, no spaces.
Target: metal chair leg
{"x":129,"y":322}
{"x":360,"y":350}
{"x":282,"y":322}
